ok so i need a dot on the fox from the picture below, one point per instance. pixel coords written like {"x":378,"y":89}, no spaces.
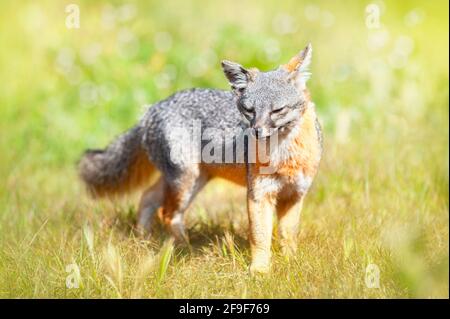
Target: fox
{"x":260,"y":106}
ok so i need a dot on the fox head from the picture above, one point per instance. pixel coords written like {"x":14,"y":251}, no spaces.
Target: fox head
{"x":271,"y":101}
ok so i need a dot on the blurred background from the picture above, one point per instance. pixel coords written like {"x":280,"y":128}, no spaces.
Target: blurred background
{"x":379,"y":80}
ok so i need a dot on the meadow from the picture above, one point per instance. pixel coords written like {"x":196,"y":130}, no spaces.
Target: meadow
{"x":380,"y":203}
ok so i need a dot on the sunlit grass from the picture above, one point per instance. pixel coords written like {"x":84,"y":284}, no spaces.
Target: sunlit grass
{"x":381,"y":196}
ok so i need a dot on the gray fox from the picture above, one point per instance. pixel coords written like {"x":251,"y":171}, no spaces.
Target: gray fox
{"x":265,"y":104}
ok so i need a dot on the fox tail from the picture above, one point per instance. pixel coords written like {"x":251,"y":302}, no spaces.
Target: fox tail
{"x":120,"y":168}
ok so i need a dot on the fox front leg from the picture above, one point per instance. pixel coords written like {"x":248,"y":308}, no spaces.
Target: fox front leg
{"x":261,"y":208}
{"x":288,"y":211}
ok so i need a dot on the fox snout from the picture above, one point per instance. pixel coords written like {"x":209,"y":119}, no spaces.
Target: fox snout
{"x":262,"y":131}
{"x":261,"y":126}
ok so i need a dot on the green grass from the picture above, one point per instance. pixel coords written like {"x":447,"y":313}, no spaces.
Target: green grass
{"x":381,"y":196}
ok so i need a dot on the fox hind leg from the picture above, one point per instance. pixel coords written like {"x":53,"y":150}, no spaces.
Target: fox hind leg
{"x":177,"y":198}
{"x":151,"y":201}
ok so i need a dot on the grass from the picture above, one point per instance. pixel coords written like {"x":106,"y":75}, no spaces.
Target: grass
{"x":381,"y":196}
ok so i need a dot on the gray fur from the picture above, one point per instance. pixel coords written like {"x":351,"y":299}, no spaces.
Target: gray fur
{"x":214,"y":108}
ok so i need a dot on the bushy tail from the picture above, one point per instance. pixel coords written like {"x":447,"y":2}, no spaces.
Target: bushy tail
{"x":120,"y":168}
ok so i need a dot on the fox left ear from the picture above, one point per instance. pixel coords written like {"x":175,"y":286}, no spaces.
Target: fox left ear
{"x":238,"y":76}
{"x":298,"y":66}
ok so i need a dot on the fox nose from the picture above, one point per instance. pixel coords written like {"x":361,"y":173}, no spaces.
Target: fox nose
{"x":261,"y":132}
{"x":257,"y":132}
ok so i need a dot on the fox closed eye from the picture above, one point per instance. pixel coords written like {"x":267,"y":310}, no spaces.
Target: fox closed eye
{"x":281,"y":110}
{"x":245,"y":104}
{"x":249,"y":115}
{"x":246,"y":109}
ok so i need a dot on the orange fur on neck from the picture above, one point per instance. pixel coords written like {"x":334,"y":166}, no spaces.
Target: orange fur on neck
{"x":304,"y":149}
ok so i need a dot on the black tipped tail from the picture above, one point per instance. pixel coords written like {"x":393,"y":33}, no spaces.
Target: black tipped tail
{"x":120,"y":168}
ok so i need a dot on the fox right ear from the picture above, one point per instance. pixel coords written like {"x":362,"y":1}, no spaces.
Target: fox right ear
{"x":298,"y":66}
{"x":237,"y":75}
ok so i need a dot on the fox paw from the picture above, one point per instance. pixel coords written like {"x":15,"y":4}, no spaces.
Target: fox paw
{"x":259,"y":269}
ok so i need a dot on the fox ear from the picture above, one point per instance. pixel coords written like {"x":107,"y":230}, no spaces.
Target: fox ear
{"x":298,"y":66}
{"x":237,"y":75}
